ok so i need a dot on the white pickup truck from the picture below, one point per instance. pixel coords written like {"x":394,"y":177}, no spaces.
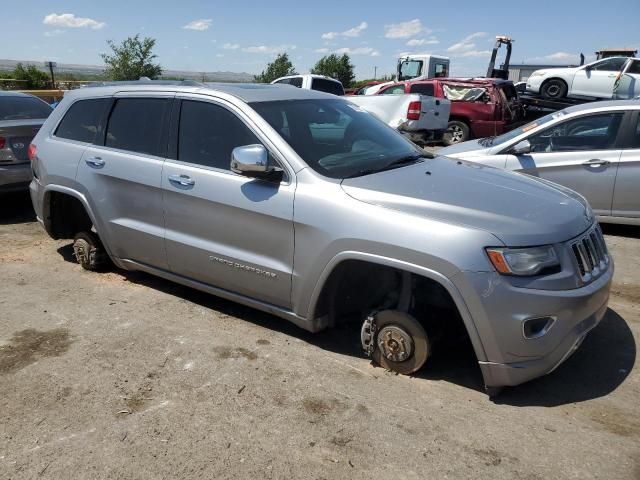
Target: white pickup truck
{"x":419,"y":117}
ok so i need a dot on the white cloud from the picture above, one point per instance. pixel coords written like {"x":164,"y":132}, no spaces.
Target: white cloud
{"x":372,"y":52}
{"x":321,"y":50}
{"x":416,"y":42}
{"x":69,"y":20}
{"x":466,"y":44}
{"x":199,"y":25}
{"x":351,"y":33}
{"x":53,"y":33}
{"x":269,"y":48}
{"x":219,"y":55}
{"x":405,"y":29}
{"x":562,"y":56}
{"x":475,"y":53}
{"x":231,"y":46}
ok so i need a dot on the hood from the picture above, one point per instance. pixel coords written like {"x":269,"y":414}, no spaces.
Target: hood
{"x":469,"y":146}
{"x":518,"y":209}
{"x":555,"y":71}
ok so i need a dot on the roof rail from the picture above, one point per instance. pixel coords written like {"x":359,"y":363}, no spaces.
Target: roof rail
{"x":147,"y":81}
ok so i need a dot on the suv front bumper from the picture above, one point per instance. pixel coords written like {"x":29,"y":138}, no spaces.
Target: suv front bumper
{"x":499,"y":310}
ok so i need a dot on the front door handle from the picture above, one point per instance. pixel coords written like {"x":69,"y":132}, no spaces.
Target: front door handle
{"x":95,"y":162}
{"x":183,"y":180}
{"x":596,"y":162}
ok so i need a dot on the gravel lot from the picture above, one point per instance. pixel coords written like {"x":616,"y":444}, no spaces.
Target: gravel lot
{"x":122,"y":375}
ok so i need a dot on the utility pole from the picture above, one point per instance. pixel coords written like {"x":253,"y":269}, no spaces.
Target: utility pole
{"x":375,"y":72}
{"x":51,"y":65}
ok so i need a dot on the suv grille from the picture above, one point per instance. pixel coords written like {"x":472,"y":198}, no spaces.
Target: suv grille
{"x":590,"y":253}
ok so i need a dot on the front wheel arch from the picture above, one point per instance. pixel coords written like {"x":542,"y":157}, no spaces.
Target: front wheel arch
{"x":314,"y":312}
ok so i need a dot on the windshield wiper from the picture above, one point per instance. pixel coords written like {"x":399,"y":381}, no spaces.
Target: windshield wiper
{"x":397,"y":163}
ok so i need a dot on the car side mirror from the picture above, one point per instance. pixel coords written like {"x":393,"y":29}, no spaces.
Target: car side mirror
{"x":521,"y":148}
{"x":253,"y":161}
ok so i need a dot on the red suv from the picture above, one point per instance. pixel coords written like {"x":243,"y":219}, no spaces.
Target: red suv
{"x":480,"y":107}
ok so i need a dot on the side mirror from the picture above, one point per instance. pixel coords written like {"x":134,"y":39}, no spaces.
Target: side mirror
{"x":521,"y":148}
{"x":253,"y":161}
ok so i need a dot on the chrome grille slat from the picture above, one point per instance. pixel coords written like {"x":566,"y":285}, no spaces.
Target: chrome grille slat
{"x":585,"y":256}
{"x":596,"y":247}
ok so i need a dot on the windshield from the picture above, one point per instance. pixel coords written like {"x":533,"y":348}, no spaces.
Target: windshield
{"x":505,"y":137}
{"x":336,"y":138}
{"x":410,"y":69}
{"x":23,"y":108}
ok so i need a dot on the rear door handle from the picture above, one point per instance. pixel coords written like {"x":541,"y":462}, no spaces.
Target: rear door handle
{"x":95,"y":162}
{"x":183,"y":180}
{"x":596,"y":162}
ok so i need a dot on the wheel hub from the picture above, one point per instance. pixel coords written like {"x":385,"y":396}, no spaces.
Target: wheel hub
{"x":395,"y":343}
{"x":81,"y":251}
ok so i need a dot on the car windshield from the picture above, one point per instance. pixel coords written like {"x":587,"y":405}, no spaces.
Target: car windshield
{"x":505,"y":137}
{"x":23,"y":108}
{"x":336,"y":138}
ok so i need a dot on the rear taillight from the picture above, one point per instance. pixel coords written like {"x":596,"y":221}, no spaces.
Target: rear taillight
{"x":3,"y":142}
{"x":32,"y":151}
{"x":413,"y":113}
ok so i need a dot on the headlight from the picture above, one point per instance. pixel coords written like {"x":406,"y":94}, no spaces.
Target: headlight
{"x":523,"y":261}
{"x":538,"y":73}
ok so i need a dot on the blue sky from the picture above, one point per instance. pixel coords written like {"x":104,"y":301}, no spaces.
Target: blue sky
{"x":243,"y":36}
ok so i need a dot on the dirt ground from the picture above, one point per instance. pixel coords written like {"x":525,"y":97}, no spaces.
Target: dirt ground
{"x":122,"y":375}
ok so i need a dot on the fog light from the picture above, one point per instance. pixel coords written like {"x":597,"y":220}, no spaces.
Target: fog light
{"x":537,"y":327}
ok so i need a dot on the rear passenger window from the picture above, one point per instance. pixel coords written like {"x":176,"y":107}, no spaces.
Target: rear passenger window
{"x":208,"y":133}
{"x":82,"y":122}
{"x":138,"y":125}
{"x":422,"y":89}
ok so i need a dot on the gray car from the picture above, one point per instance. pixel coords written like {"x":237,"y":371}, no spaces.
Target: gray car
{"x":593,"y":149}
{"x":21,"y":116}
{"x":300,"y":204}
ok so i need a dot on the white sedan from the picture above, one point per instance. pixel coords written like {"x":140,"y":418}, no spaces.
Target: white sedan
{"x":615,"y":77}
{"x":593,"y":149}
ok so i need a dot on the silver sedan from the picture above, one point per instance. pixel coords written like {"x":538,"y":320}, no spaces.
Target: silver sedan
{"x":593,"y":149}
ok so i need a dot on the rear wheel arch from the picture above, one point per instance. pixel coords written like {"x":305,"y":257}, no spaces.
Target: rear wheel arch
{"x":65,"y":213}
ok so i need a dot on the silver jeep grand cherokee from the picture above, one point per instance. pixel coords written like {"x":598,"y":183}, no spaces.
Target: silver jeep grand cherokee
{"x":300,"y":204}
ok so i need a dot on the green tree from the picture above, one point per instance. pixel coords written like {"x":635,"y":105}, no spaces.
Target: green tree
{"x":32,"y":78}
{"x":338,"y":67}
{"x":132,"y":59}
{"x":280,"y":67}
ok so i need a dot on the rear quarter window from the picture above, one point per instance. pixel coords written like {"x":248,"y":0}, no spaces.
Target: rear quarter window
{"x":83,"y":120}
{"x":328,"y":86}
{"x":295,"y":81}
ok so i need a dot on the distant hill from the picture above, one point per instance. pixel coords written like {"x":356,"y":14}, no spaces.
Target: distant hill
{"x":94,"y":70}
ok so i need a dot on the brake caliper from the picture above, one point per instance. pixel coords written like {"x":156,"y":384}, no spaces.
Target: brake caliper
{"x":368,"y":335}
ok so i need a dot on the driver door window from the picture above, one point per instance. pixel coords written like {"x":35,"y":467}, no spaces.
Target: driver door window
{"x":609,"y":65}
{"x":593,"y":132}
{"x":208,"y":133}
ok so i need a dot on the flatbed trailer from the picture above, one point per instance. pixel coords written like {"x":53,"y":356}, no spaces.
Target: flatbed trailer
{"x":536,"y":105}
